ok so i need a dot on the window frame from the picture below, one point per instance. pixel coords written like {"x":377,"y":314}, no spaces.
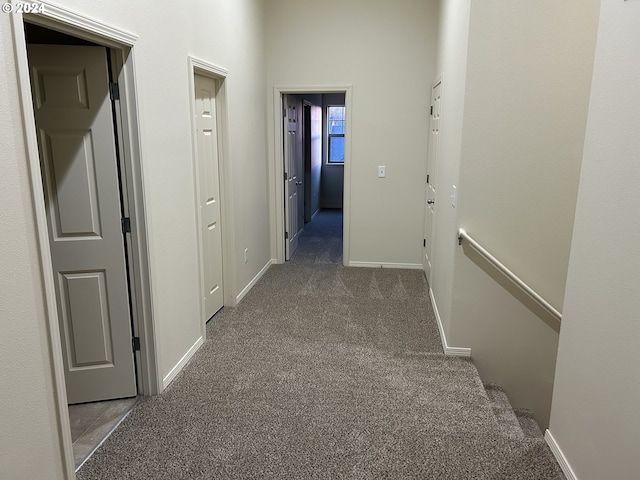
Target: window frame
{"x":335,"y":135}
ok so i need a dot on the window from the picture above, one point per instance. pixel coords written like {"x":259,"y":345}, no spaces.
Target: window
{"x":335,"y":134}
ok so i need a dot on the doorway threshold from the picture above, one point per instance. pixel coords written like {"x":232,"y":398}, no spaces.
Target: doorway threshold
{"x":92,"y":423}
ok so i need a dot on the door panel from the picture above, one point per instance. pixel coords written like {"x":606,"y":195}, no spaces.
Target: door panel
{"x":294,"y":172}
{"x":73,"y":114}
{"x":432,"y":175}
{"x":211,"y":234}
{"x":85,"y":318}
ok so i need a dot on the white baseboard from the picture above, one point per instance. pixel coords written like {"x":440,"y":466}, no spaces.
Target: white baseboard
{"x":181,"y":364}
{"x":562,"y":460}
{"x":255,"y":279}
{"x":406,"y":266}
{"x":448,"y":351}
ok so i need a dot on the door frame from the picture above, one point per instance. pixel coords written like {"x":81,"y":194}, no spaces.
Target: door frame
{"x":120,"y":44}
{"x":277,"y":166}
{"x":432,"y":172}
{"x":197,"y":66}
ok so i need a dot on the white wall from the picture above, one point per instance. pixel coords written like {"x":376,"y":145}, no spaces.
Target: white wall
{"x":452,"y":65}
{"x":204,"y":30}
{"x":386,"y":50}
{"x":526,"y":91}
{"x":528,"y":79}
{"x":228,"y":33}
{"x":594,"y":417}
{"x":29,"y":443}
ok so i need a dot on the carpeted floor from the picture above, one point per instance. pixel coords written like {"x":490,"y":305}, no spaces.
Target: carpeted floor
{"x":322,"y":372}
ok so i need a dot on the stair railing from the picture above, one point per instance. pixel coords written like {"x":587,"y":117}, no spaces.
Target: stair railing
{"x":463,"y":235}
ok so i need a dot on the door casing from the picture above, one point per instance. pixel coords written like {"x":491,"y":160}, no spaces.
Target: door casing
{"x":277,"y":167}
{"x":121,"y":45}
{"x":197,"y":66}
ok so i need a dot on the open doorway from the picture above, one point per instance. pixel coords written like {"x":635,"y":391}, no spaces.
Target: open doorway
{"x":80,"y":118}
{"x":86,"y":209}
{"x":80,"y":164}
{"x":314,"y":156}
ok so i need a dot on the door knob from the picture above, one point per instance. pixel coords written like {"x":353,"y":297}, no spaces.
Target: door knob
{"x":431,"y":201}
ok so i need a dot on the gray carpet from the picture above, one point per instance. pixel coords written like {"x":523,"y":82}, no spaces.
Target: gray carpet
{"x":322,"y":372}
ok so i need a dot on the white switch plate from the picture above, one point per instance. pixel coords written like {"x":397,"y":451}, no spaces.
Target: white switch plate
{"x":454,"y":195}
{"x":382,"y":171}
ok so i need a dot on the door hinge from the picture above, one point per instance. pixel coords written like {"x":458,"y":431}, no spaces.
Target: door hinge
{"x":427,"y":178}
{"x":126,"y":225}
{"x":114,"y":91}
{"x":286,"y":235}
{"x":431,"y":112}
{"x":424,"y":242}
{"x":284,"y":112}
{"x":135,"y":342}
{"x":286,"y":176}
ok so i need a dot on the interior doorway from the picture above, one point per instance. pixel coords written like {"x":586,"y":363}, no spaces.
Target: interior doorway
{"x":432,"y":175}
{"x":86,"y":286}
{"x":81,"y":173}
{"x":209,"y":209}
{"x":314,"y":155}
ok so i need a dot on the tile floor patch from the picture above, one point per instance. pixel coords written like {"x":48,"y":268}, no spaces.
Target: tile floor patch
{"x":92,"y":422}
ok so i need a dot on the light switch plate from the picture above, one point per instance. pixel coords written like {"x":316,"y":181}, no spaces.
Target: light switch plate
{"x":454,"y":196}
{"x":382,"y":171}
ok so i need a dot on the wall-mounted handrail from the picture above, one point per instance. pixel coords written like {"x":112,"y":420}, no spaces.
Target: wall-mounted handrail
{"x":463,"y":235}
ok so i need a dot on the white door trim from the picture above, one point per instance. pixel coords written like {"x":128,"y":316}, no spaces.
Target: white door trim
{"x":277,"y":166}
{"x":67,"y":21}
{"x":73,"y":23}
{"x":204,"y":68}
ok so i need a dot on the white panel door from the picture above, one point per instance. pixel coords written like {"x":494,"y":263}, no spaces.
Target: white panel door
{"x":294,"y":218}
{"x":76,"y":140}
{"x":211,"y":234}
{"x":432,"y":168}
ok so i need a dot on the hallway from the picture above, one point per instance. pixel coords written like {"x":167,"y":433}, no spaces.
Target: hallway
{"x":321,"y":241}
{"x":322,"y":372}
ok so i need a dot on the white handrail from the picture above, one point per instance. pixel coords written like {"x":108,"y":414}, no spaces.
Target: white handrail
{"x":462,"y":234}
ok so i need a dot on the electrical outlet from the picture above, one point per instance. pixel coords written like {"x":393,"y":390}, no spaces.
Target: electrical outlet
{"x":246,"y":255}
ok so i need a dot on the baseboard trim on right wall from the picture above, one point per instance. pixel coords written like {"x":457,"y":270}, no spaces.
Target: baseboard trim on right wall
{"x":561,"y":459}
{"x":448,"y":351}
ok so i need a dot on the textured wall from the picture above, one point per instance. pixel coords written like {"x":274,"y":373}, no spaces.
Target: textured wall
{"x":386,"y":50}
{"x":226,"y":33}
{"x":528,"y":79}
{"x":28,"y":420}
{"x":452,"y":65}
{"x":203,"y":30}
{"x":597,"y":392}
{"x":515,"y":96}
